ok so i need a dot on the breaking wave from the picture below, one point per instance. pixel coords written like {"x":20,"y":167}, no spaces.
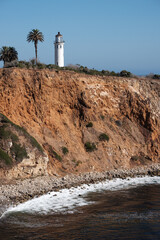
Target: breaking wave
{"x":69,"y":200}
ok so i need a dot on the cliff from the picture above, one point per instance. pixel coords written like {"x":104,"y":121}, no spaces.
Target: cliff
{"x":84,"y":123}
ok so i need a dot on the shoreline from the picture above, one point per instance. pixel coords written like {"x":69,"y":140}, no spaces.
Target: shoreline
{"x":23,"y":190}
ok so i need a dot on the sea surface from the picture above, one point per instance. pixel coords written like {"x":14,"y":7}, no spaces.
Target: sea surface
{"x":115,"y":209}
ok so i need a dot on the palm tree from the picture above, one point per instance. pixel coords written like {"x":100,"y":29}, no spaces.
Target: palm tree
{"x":8,"y":54}
{"x":34,"y":36}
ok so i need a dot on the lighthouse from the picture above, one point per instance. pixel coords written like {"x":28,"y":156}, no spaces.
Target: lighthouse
{"x":59,"y":50}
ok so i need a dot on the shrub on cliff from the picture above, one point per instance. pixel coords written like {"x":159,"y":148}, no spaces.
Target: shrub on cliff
{"x":52,"y":152}
{"x":90,"y":147}
{"x":40,"y":65}
{"x":102,"y":117}
{"x":56,"y":155}
{"x":118,"y":123}
{"x":156,"y":76}
{"x":125,"y":73}
{"x":90,"y":124}
{"x":65,"y":150}
{"x":103,"y":137}
{"x":112,"y":73}
{"x":23,"y":64}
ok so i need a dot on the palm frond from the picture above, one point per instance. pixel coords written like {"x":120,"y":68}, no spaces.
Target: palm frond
{"x":8,"y":54}
{"x":35,"y":35}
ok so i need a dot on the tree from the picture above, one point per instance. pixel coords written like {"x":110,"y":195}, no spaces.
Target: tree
{"x":34,"y":36}
{"x":8,"y":54}
{"x":125,"y":73}
{"x":156,"y":76}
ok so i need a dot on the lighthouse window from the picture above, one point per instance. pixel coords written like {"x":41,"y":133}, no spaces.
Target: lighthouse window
{"x":57,"y":46}
{"x":60,"y":46}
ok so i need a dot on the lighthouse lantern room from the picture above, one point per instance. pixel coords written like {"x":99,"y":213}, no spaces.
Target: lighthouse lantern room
{"x":59,"y":50}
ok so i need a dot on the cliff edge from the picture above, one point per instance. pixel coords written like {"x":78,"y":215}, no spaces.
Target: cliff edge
{"x":83,"y":123}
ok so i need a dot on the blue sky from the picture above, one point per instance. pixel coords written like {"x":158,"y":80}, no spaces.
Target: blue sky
{"x":100,"y":34}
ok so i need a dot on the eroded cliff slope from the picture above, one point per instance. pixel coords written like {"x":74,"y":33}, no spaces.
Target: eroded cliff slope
{"x":85,"y":123}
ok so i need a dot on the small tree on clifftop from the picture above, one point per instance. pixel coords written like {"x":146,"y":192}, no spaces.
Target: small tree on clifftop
{"x":34,"y":36}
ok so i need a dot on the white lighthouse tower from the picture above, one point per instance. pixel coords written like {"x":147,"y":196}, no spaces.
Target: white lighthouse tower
{"x":59,"y":50}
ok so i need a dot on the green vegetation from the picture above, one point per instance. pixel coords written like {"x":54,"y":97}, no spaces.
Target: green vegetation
{"x":18,"y":151}
{"x":14,"y":137}
{"x":5,"y":157}
{"x":156,"y":76}
{"x":8,"y":54}
{"x":31,"y":65}
{"x":33,"y":141}
{"x":76,"y":68}
{"x":90,"y":124}
{"x":34,"y":36}
{"x":134,"y":158}
{"x":125,"y":73}
{"x":90,"y":147}
{"x":118,"y":123}
{"x":82,"y":69}
{"x":86,"y":70}
{"x":103,"y":137}
{"x":58,"y":157}
{"x":102,"y":117}
{"x":65,"y":150}
{"x":54,"y":154}
{"x":5,"y":119}
{"x":76,"y":162}
{"x":24,"y":64}
{"x":5,"y":134}
{"x":40,"y":65}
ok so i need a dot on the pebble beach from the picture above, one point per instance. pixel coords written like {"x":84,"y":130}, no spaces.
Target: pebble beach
{"x":23,"y":190}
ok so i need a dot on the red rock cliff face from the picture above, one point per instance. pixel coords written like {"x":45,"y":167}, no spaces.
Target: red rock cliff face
{"x":55,"y":108}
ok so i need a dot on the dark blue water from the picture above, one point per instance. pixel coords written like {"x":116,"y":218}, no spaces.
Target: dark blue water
{"x":130,"y":212}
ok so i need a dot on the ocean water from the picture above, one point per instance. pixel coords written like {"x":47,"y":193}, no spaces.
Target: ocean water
{"x":115,"y":209}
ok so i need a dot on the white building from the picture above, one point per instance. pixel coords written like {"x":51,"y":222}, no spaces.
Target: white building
{"x":59,"y":50}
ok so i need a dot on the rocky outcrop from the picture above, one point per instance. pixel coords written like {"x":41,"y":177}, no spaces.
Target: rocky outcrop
{"x":57,"y":107}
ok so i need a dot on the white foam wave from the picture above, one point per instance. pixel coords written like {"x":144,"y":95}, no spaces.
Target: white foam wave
{"x":67,"y":200}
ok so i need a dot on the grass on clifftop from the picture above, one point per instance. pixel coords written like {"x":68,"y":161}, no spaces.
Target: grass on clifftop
{"x":76,"y":68}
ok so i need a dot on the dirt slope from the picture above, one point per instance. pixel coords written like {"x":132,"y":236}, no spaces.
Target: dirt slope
{"x":55,"y":107}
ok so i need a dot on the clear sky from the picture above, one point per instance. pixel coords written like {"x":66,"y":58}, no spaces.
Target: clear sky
{"x":100,"y":34}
